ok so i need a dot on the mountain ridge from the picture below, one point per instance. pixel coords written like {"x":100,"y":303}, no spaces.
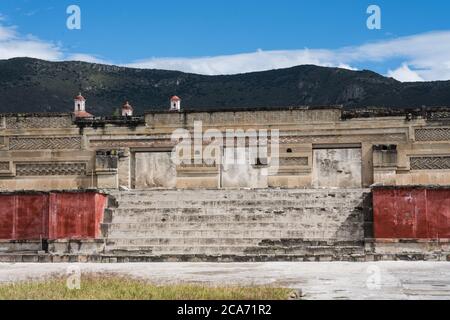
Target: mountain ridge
{"x":32,"y":85}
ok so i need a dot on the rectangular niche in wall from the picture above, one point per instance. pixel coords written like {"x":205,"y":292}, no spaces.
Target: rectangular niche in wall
{"x":154,"y":170}
{"x":337,"y":168}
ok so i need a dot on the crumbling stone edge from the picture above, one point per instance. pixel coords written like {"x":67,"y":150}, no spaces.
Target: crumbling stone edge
{"x":100,"y":258}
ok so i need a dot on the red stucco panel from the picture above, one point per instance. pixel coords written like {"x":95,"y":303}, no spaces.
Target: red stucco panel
{"x":24,"y":216}
{"x":411,"y":213}
{"x":66,"y":215}
{"x":7,"y":208}
{"x":75,"y":215}
{"x":31,"y":217}
{"x":438,"y":213}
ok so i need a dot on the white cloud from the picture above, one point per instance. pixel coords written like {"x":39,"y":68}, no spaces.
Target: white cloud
{"x":346,"y":66}
{"x":426,"y":55}
{"x":12,"y":45}
{"x":405,"y":74}
{"x":7,"y":33}
{"x":86,"y":58}
{"x":240,"y":63}
{"x":423,"y":57}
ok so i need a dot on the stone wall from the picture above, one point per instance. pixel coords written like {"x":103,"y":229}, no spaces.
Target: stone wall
{"x":50,"y":151}
{"x":51,"y":215}
{"x":241,"y":118}
{"x":339,"y":168}
{"x":410,"y":212}
{"x":154,"y":170}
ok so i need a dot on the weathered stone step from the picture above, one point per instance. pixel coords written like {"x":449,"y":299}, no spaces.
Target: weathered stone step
{"x":144,"y":219}
{"x":111,"y":242}
{"x":126,"y":258}
{"x":173,"y":249}
{"x":240,"y":193}
{"x":274,"y":209}
{"x":266,"y":241}
{"x":253,"y":233}
{"x":309,"y":250}
{"x":316,"y":203}
{"x":236,"y":225}
{"x":232,"y":249}
{"x":276,"y":242}
{"x":218,"y":201}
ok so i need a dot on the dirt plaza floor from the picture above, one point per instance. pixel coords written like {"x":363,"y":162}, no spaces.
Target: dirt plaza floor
{"x":316,"y":280}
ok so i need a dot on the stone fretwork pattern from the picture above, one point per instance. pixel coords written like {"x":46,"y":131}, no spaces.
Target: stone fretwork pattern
{"x":51,"y":169}
{"x":430,"y":163}
{"x":438,"y":134}
{"x":37,"y":122}
{"x":439,"y":115}
{"x":149,"y":143}
{"x":4,"y":166}
{"x":294,"y":161}
{"x":58,"y":143}
{"x":56,"y":151}
{"x":327,"y":138}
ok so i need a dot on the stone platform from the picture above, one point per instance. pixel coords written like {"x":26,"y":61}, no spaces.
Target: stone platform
{"x":239,"y":223}
{"x":253,"y":225}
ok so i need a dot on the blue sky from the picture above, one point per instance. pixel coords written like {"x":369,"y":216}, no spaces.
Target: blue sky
{"x":230,"y":36}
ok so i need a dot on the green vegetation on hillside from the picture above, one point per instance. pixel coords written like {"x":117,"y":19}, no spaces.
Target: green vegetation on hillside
{"x":31,"y":85}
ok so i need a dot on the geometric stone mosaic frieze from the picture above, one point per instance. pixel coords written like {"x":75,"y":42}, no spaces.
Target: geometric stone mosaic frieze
{"x":437,"y":134}
{"x":294,"y":161}
{"x":51,"y":169}
{"x":430,"y":163}
{"x":73,"y":143}
{"x":4,"y":166}
{"x":438,"y":115}
{"x":167,"y":143}
{"x":38,"y":122}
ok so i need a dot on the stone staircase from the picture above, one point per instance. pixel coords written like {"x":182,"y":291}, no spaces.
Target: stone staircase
{"x":237,"y":225}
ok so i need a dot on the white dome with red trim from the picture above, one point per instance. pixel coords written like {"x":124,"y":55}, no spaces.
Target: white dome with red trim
{"x":79,"y":97}
{"x":127,"y":106}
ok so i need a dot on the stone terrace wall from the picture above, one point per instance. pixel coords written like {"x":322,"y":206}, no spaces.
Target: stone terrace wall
{"x":232,"y":118}
{"x":53,"y":152}
{"x":43,"y":152}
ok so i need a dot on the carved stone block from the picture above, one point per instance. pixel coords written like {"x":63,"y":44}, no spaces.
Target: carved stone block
{"x":437,"y":134}
{"x":58,"y":143}
{"x":4,"y":166}
{"x":294,"y":161}
{"x":430,"y":163}
{"x":29,"y":122}
{"x":51,"y":169}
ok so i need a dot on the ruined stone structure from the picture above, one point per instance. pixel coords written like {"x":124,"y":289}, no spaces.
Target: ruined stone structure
{"x":317,"y":202}
{"x":319,"y":148}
